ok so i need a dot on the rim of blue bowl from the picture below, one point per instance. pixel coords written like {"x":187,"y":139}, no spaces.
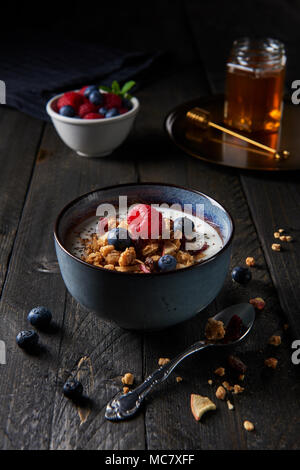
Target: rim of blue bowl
{"x":74,"y":120}
{"x":114,"y":272}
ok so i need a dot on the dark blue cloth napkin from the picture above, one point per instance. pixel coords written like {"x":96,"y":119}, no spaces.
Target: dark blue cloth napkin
{"x":35,"y":69}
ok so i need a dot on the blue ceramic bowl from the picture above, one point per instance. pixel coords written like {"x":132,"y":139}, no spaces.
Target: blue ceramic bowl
{"x":150,"y":301}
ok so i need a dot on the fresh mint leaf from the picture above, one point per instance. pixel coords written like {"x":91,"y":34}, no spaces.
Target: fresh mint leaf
{"x":127,"y":86}
{"x":104,"y":88}
{"x":115,"y":87}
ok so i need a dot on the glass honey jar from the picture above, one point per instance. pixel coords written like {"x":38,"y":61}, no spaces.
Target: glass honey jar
{"x":254,"y":85}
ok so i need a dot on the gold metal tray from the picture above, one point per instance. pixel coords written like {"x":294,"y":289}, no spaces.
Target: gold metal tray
{"x":216,"y":147}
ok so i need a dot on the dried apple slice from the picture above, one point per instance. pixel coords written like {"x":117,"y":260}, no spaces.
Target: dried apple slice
{"x":200,"y":405}
{"x":145,"y":269}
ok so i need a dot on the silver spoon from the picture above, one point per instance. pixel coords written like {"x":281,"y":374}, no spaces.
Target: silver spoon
{"x":123,"y":406}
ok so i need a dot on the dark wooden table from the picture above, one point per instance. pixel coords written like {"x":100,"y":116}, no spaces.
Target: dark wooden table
{"x":38,"y":176}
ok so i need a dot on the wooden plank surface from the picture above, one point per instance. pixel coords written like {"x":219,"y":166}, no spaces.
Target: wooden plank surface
{"x":19,"y":143}
{"x":274,"y":202}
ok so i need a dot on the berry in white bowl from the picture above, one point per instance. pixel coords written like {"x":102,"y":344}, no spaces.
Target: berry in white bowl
{"x":94,"y":121}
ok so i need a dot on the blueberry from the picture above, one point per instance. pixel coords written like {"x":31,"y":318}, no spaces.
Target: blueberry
{"x":102,"y":110}
{"x":119,"y":237}
{"x":167,"y":263}
{"x":112,"y":113}
{"x":73,"y":389}
{"x":241,"y":275}
{"x":126,"y":103}
{"x":67,"y":111}
{"x":27,"y":339}
{"x":39,"y":317}
{"x":96,"y":97}
{"x":184,"y":224}
{"x":89,"y":90}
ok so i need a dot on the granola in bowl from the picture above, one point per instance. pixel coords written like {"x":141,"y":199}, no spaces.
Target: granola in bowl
{"x":122,"y":243}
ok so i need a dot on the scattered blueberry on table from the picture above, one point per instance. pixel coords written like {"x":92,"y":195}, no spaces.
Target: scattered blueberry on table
{"x":40,"y":317}
{"x":167,"y":263}
{"x":27,"y":339}
{"x":73,"y":389}
{"x":241,"y":275}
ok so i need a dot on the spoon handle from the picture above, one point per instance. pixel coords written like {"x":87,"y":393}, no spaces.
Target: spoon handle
{"x":126,"y":405}
{"x":161,"y":374}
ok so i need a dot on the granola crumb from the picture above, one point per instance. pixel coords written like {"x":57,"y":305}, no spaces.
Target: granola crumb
{"x":105,"y":250}
{"x":214,"y":329}
{"x":237,"y":389}
{"x":286,"y":326}
{"x":230,"y":405}
{"x":109,"y":266}
{"x":185,"y":258}
{"x":220,"y":371}
{"x":210,"y":382}
{"x":276,"y":247}
{"x":227,"y":386}
{"x":241,"y":377}
{"x":128,"y":257}
{"x":128,"y":379}
{"x":281,"y":230}
{"x":250,"y":261}
{"x":289,"y":238}
{"x":248,"y":426}
{"x":221,"y":393}
{"x":178,"y":379}
{"x":276,"y":234}
{"x":258,"y":303}
{"x":271,"y":362}
{"x":125,"y":389}
{"x":163,"y":360}
{"x":275,"y":340}
{"x":283,"y":238}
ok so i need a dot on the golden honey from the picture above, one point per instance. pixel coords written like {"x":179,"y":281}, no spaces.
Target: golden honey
{"x":254,"y":85}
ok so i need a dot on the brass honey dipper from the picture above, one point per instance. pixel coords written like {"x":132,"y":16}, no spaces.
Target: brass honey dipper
{"x":200,"y":117}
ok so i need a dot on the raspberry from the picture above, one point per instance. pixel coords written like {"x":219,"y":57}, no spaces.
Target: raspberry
{"x":122,"y":110}
{"x":145,"y":222}
{"x":112,"y":101}
{"x":87,"y":108}
{"x":93,"y":116}
{"x":54,"y":106}
{"x":82,"y":90}
{"x":71,"y":98}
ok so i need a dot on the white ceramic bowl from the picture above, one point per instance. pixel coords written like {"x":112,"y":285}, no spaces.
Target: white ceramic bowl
{"x":93,"y":137}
